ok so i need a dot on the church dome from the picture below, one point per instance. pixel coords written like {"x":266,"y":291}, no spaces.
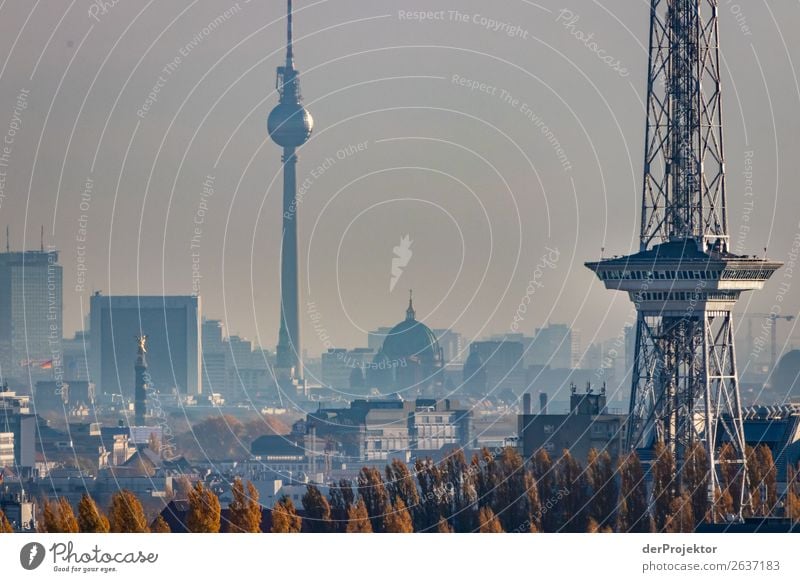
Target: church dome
{"x":411,"y":341}
{"x":410,"y":358}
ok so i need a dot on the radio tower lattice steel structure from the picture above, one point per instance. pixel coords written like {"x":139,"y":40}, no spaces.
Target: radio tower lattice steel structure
{"x":684,"y":281}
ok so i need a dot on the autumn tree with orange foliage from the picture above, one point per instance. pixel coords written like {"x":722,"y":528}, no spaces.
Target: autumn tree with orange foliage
{"x":285,"y":518}
{"x":58,"y":517}
{"x":358,"y":518}
{"x":204,"y":510}
{"x":125,"y":514}
{"x":90,"y":518}
{"x":244,"y":509}
{"x":488,"y":522}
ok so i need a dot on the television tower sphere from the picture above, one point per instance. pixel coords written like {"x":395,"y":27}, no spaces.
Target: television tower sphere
{"x":290,"y":125}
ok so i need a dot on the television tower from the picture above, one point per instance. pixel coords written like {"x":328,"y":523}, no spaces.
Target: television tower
{"x":289,"y":126}
{"x":684,"y":281}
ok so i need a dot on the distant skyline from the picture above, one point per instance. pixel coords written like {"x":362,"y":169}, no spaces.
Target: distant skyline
{"x":504,"y":142}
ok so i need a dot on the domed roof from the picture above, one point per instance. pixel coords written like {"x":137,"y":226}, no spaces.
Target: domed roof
{"x":410,"y":341}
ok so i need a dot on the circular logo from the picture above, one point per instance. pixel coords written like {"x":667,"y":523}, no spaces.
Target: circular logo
{"x":31,"y":555}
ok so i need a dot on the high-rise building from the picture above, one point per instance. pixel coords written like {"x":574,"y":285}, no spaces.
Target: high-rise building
{"x":554,"y":345}
{"x":214,"y":377}
{"x":173,"y":330}
{"x":247,"y":369}
{"x":503,"y":365}
{"x":30,"y":314}
{"x":451,"y":344}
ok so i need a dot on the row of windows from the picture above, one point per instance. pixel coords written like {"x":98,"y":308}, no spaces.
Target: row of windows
{"x":685,"y":296}
{"x":736,"y":274}
{"x":658,"y":275}
{"x":746,"y":274}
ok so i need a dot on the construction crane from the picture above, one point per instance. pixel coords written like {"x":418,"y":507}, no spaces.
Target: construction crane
{"x":773,"y":319}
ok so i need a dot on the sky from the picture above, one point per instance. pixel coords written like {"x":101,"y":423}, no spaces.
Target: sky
{"x":504,"y":140}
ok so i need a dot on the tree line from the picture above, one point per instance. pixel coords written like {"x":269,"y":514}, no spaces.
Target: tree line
{"x":496,"y":491}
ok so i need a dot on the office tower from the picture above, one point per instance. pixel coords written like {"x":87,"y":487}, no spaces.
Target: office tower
{"x":554,"y":345}
{"x":214,"y":376}
{"x":173,"y":330}
{"x":30,"y":314}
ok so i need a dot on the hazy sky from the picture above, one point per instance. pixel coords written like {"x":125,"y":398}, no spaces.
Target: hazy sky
{"x":543,"y":151}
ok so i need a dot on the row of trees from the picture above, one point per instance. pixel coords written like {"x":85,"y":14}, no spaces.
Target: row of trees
{"x":499,"y":492}
{"x":494,"y":492}
{"x":126,"y":515}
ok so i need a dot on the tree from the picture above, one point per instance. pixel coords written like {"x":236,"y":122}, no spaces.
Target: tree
{"x":341,"y":499}
{"x":397,"y":519}
{"x":724,"y":506}
{"x":221,"y":437}
{"x":488,"y":522}
{"x":733,"y":476}
{"x":372,"y":490}
{"x":204,"y":510}
{"x":358,"y":518}
{"x":792,"y":501}
{"x":545,"y":475}
{"x":244,"y":509}
{"x":5,"y":525}
{"x":90,"y":518}
{"x":58,"y":517}
{"x":318,"y":511}
{"x":632,"y":514}
{"x":602,"y":482}
{"x":769,"y":482}
{"x":458,"y":499}
{"x":516,"y":497}
{"x":432,"y":492}
{"x":285,"y":518}
{"x":125,"y":514}
{"x":664,"y":486}
{"x":443,"y":527}
{"x":400,"y":484}
{"x":681,"y":517}
{"x":695,"y":480}
{"x":574,"y":502}
{"x":159,"y":525}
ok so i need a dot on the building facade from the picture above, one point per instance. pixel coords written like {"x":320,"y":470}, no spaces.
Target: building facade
{"x":31,"y":306}
{"x":173,"y":327}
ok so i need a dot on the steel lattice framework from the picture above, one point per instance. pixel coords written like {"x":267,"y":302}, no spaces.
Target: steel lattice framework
{"x":684,"y":281}
{"x":684,"y":168}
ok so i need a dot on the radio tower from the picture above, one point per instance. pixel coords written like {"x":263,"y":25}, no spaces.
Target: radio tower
{"x":684,"y":281}
{"x":289,"y":126}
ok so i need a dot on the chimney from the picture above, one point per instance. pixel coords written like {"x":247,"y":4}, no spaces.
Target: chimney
{"x":526,"y":403}
{"x":543,"y":402}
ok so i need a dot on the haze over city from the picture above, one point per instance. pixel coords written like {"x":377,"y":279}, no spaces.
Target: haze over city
{"x":420,"y":132}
